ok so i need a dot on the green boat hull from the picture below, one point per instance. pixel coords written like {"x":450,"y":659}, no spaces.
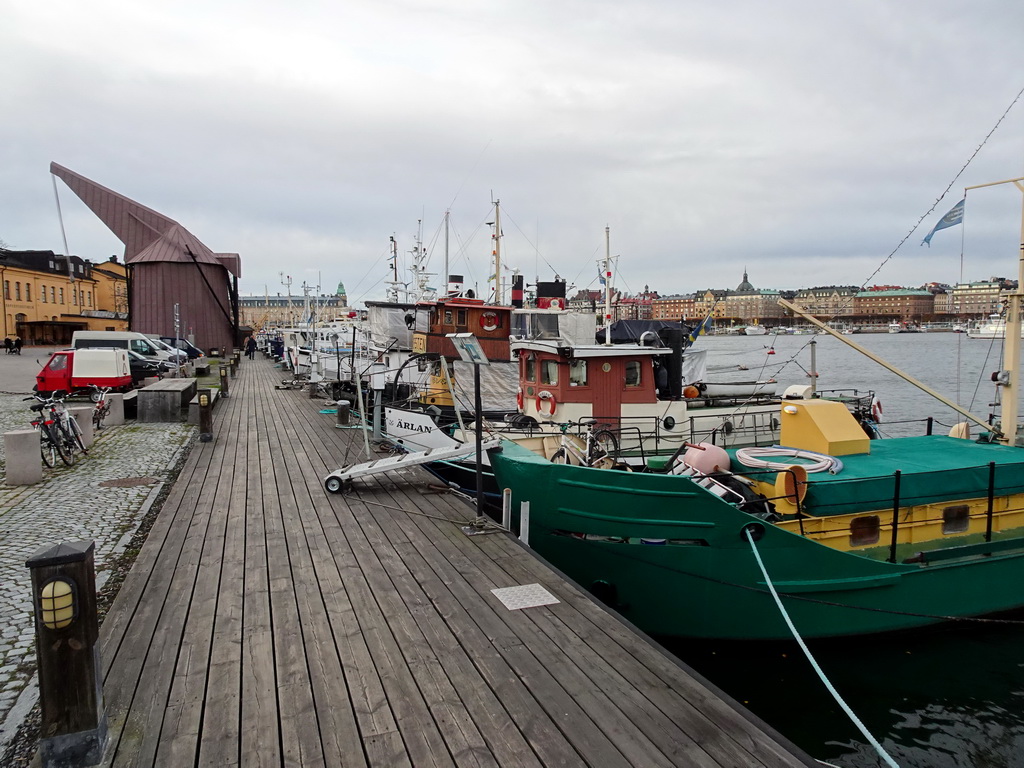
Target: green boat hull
{"x":675,"y":560}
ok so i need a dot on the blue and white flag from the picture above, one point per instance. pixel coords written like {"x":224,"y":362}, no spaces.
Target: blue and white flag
{"x":951,"y":219}
{"x":701,"y":329}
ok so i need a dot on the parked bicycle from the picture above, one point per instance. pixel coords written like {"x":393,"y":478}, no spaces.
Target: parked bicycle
{"x":597,"y":446}
{"x":59,"y":433}
{"x":99,"y":397}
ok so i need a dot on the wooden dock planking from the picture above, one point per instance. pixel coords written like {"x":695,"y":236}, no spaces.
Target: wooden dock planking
{"x":268,"y":623}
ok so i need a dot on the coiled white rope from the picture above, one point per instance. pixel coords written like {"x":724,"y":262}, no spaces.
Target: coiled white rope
{"x":820,"y":462}
{"x":814,"y":664}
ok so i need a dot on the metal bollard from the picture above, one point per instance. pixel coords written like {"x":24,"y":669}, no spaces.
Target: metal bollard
{"x":205,"y":415}
{"x":224,"y":381}
{"x":74,"y":723}
{"x":343,"y":413}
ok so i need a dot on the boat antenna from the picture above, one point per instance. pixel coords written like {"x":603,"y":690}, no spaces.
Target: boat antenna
{"x":607,"y":287}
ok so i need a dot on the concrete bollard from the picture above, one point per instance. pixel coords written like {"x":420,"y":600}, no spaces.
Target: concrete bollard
{"x":115,"y":416}
{"x":83,"y":415}
{"x":21,"y":447}
{"x":343,"y":410}
{"x":73,"y":720}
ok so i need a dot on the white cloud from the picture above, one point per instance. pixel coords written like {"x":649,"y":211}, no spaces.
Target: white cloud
{"x":799,"y":139}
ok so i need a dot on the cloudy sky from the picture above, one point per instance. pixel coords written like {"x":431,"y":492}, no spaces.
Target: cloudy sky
{"x":799,"y":139}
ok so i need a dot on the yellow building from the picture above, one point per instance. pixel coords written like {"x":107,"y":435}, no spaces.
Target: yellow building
{"x":45,"y":297}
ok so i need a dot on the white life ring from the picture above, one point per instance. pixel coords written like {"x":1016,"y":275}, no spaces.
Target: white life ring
{"x":489,"y":321}
{"x":556,"y":304}
{"x":541,"y":397}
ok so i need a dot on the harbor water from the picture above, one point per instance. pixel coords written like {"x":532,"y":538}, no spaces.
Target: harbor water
{"x":935,"y":698}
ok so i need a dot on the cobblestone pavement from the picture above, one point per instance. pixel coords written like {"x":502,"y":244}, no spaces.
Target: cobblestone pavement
{"x":71,"y":503}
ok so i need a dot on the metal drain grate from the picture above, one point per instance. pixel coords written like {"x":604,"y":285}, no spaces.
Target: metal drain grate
{"x":528,"y":596}
{"x":128,"y":482}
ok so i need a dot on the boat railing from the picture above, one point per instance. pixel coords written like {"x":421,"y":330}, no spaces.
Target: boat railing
{"x":957,"y":519}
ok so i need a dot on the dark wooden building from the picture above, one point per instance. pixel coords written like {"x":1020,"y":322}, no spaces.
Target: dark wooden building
{"x":168,"y":266}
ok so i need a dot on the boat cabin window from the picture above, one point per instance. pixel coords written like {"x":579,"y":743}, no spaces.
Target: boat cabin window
{"x":578,"y":373}
{"x":864,"y":530}
{"x":448,"y":317}
{"x":956,"y":519}
{"x":530,"y":368}
{"x":461,"y":317}
{"x":549,"y":372}
{"x":633,"y":373}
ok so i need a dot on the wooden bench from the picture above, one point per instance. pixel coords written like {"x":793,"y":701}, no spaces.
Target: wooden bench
{"x":193,"y":405}
{"x":163,"y":401}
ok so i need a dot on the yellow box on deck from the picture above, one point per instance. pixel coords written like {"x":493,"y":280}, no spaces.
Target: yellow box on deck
{"x":824,"y":426}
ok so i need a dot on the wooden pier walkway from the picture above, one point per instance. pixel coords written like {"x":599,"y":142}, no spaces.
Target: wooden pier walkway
{"x":269,"y":623}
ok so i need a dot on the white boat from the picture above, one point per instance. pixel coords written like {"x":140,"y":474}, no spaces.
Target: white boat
{"x":994,"y":328}
{"x":738,"y":389}
{"x":755,"y":330}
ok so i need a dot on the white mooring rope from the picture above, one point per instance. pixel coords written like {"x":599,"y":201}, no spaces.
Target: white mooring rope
{"x":814,"y":664}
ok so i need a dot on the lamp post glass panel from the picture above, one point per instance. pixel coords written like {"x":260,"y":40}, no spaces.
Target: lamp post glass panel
{"x":469,"y":349}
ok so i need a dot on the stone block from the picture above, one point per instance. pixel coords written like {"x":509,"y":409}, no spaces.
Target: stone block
{"x":115,"y":416}
{"x":83,"y":415}
{"x":24,"y":464}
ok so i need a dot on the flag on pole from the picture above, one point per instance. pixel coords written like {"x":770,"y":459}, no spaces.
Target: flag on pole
{"x":702,"y":328}
{"x":951,"y":219}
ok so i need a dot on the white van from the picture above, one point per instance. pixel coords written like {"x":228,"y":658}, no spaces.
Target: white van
{"x":137,"y":342}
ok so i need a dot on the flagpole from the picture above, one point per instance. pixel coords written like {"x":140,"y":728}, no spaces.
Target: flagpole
{"x":1011,"y":397}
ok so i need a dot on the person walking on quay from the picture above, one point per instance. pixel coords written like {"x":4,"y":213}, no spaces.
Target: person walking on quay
{"x":250,"y":347}
{"x":17,"y":345}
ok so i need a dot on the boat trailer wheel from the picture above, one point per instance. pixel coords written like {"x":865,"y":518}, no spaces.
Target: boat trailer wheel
{"x":335,"y":484}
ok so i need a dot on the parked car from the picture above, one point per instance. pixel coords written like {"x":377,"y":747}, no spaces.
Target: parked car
{"x":143,"y":367}
{"x":177,"y":356}
{"x":184,"y":345}
{"x":130,"y":340}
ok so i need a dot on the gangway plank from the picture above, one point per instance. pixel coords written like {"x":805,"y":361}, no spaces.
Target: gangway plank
{"x":338,"y":479}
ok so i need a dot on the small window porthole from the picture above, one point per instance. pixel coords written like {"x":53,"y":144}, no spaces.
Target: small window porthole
{"x":956,"y":519}
{"x":864,"y":531}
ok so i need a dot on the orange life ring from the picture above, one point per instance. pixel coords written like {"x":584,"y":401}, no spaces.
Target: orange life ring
{"x":489,"y":321}
{"x":519,"y":399}
{"x":542,"y":396}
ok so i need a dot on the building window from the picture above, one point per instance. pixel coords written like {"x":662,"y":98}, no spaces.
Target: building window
{"x":42,"y":293}
{"x":7,"y":289}
{"x":74,"y":297}
{"x":53,"y":295}
{"x":61,"y":295}
{"x":88,"y":295}
{"x":17,"y":291}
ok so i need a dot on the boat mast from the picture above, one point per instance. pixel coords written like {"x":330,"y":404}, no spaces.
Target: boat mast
{"x":497,"y":254}
{"x":444,"y":277}
{"x":1011,"y":383}
{"x":607,"y":287}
